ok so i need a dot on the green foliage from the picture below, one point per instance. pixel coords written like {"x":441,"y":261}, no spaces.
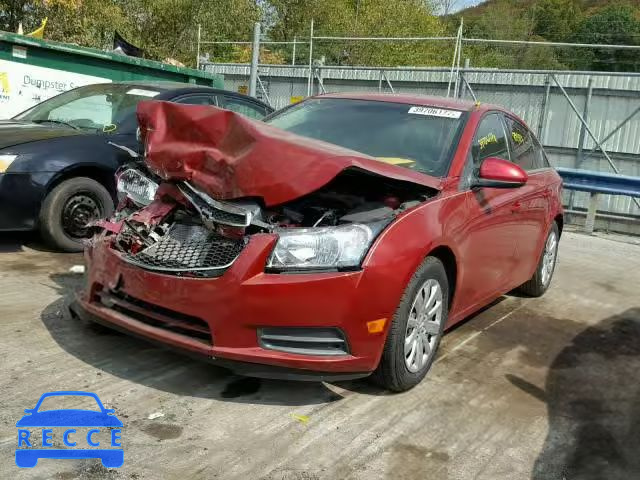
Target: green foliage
{"x":164,"y":29}
{"x":617,"y":25}
{"x":556,"y":20}
{"x":167,"y":29}
{"x":363,"y":18}
{"x":568,"y":21}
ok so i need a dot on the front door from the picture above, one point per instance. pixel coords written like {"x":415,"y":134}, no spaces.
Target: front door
{"x":489,"y":241}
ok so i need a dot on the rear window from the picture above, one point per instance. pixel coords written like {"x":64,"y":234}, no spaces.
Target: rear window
{"x":416,"y":137}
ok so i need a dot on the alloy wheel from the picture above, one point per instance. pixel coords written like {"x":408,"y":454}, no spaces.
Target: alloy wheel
{"x":549,"y":257}
{"x":423,"y":325}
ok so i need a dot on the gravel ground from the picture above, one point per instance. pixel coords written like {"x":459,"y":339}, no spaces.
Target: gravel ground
{"x":538,"y":389}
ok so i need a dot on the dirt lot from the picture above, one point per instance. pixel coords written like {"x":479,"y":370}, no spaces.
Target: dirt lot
{"x":537,"y":389}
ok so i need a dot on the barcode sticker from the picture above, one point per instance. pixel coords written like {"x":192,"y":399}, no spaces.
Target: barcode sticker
{"x":142,"y":92}
{"x":435,"y":112}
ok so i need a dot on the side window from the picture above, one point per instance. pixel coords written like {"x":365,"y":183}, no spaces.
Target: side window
{"x":245,"y":107}
{"x":490,"y":140}
{"x":197,"y":100}
{"x":526,"y":152}
{"x":544,"y":161}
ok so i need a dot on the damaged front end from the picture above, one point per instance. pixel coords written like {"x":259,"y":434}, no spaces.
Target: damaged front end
{"x":186,"y":232}
{"x":177,"y":215}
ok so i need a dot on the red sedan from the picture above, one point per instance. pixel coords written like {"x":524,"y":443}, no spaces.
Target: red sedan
{"x":337,"y":240}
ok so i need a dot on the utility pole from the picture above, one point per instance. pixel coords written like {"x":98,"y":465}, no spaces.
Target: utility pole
{"x":255,"y":58}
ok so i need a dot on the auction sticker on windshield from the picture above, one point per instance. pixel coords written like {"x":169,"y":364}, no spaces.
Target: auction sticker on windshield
{"x":435,"y":112}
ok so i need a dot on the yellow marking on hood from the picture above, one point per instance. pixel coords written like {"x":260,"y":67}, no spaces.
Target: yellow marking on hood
{"x":397,"y":161}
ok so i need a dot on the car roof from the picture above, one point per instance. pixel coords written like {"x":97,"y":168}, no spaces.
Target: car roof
{"x":415,"y":99}
{"x":171,"y":89}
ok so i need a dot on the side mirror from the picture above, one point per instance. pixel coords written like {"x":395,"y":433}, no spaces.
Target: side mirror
{"x":499,"y":173}
{"x":29,"y":410}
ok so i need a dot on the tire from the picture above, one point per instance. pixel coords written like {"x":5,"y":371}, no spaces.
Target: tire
{"x":93,"y":201}
{"x":393,"y":372}
{"x":539,"y":283}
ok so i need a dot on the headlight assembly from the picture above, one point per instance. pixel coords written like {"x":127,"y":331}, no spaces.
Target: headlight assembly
{"x":140,"y":189}
{"x":6,"y":161}
{"x":343,"y":246}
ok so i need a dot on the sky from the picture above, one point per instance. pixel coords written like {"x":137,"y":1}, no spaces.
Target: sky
{"x":460,"y":4}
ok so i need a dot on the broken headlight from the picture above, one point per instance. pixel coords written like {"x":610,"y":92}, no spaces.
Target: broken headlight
{"x":140,"y":189}
{"x":343,"y":246}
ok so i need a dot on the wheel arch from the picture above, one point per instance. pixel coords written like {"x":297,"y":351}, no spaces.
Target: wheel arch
{"x":99,"y":173}
{"x":559,"y":220}
{"x":449,"y":261}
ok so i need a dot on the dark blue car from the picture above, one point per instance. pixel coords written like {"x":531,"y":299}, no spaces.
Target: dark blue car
{"x":101,"y":418}
{"x":57,"y":161}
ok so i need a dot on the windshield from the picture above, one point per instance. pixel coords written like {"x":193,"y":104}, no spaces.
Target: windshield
{"x":416,"y":137}
{"x":104,"y":107}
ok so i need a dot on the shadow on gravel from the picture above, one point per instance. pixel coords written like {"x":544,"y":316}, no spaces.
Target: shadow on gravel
{"x":15,"y":241}
{"x":134,"y":360}
{"x":593,"y":400}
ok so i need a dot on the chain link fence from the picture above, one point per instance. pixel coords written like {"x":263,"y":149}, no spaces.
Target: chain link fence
{"x":561,"y":107}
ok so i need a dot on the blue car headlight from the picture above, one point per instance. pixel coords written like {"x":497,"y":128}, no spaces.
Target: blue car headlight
{"x":6,"y":161}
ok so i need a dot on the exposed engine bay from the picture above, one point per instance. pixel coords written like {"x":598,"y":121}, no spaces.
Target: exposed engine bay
{"x":211,"y":179}
{"x":185,"y":231}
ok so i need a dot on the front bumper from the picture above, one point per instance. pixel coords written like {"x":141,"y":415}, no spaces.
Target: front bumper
{"x":21,"y":195}
{"x":237,"y":304}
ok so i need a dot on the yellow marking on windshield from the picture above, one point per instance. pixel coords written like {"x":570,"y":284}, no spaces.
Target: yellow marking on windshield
{"x":403,"y":162}
{"x":109,"y":127}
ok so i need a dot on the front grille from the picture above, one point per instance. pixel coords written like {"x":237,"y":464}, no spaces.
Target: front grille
{"x":305,"y":341}
{"x":156,"y":316}
{"x":189,"y":249}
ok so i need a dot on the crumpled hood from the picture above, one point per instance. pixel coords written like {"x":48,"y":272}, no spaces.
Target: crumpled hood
{"x":14,"y":132}
{"x":230,"y":156}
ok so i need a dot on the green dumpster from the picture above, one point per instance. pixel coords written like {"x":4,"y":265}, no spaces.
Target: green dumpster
{"x":32,"y":70}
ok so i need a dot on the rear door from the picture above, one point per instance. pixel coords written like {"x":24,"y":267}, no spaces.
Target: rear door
{"x":493,"y":229}
{"x":534,"y":209}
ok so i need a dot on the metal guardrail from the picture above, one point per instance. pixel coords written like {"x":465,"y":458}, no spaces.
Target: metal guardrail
{"x":597,"y":183}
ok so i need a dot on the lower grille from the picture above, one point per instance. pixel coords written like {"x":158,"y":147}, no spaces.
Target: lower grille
{"x":189,"y":249}
{"x":156,"y":316}
{"x":305,"y":341}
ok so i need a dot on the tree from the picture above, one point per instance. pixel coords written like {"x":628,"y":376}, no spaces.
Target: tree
{"x":444,"y":7}
{"x":502,"y":20}
{"x":12,"y":12}
{"x":556,"y":20}
{"x":370,"y":18}
{"x":616,"y":25}
{"x":161,"y":28}
{"x":88,"y":23}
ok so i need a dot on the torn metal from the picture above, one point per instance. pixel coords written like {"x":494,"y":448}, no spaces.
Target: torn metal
{"x":223,"y":178}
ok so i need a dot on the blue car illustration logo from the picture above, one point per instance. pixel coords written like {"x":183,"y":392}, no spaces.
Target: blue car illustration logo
{"x":34,"y":426}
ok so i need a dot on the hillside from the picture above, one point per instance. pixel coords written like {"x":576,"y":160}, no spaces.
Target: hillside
{"x":585,"y":5}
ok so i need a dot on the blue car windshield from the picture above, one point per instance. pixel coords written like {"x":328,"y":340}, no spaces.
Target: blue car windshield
{"x":412,"y":136}
{"x":101,"y":107}
{"x":69,"y":402}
